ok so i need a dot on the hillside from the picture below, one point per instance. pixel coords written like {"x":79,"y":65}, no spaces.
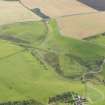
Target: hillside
{"x":37,"y":62}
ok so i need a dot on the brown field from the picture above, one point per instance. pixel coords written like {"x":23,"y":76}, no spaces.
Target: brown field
{"x":55,"y":8}
{"x":11,"y":12}
{"x":82,"y":26}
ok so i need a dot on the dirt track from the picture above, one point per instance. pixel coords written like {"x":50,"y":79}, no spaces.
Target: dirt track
{"x":55,"y":8}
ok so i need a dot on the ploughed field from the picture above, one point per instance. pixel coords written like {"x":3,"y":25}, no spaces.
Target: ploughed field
{"x":83,"y":25}
{"x":11,"y":12}
{"x":36,"y":62}
{"x":56,"y":8}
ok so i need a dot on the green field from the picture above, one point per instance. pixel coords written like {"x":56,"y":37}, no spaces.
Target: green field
{"x":36,"y":62}
{"x":99,"y":40}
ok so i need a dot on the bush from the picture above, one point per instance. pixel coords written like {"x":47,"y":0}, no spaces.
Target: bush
{"x":24,"y":102}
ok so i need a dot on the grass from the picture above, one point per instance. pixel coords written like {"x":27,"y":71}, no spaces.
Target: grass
{"x":10,"y":49}
{"x":26,"y":31}
{"x":99,"y":39}
{"x":24,"y":76}
{"x":98,"y":91}
{"x":77,"y":47}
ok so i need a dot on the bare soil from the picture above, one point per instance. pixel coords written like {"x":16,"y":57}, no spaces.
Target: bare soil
{"x":55,"y":8}
{"x":82,"y":26}
{"x":11,"y":12}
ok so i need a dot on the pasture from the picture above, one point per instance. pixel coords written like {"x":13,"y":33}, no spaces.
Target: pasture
{"x":82,"y":26}
{"x":27,"y":78}
{"x":32,"y":67}
{"x":13,"y":11}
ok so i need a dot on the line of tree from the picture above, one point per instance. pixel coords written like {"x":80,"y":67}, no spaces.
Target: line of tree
{"x":66,"y":97}
{"x":24,"y":102}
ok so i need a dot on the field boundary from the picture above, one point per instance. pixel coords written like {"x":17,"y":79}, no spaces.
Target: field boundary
{"x":85,"y":13}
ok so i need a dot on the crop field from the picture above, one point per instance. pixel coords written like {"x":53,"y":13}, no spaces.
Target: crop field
{"x":55,"y":8}
{"x":96,"y":4}
{"x":11,"y":12}
{"x":82,"y":26}
{"x":43,"y":63}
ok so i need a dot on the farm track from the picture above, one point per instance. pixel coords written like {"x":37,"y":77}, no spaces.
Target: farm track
{"x":78,"y":14}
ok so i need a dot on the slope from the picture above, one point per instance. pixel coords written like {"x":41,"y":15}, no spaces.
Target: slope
{"x":41,"y":62}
